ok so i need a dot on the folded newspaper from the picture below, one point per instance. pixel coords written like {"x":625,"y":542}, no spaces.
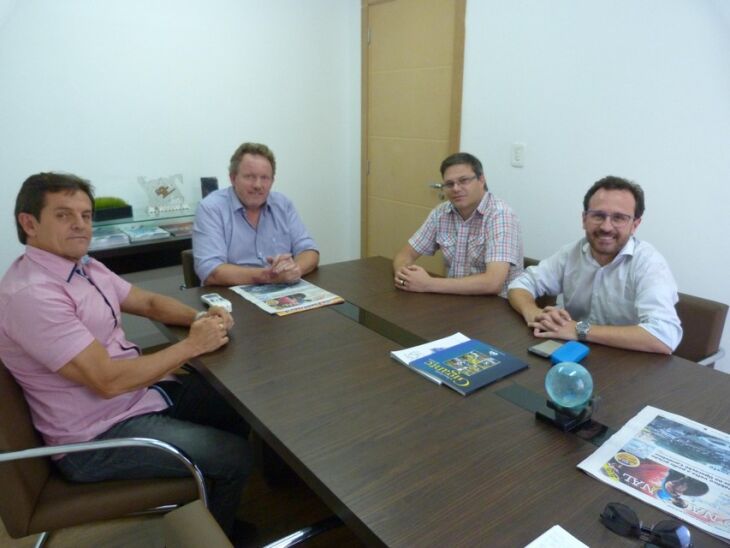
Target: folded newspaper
{"x":680,"y":466}
{"x":283,"y":299}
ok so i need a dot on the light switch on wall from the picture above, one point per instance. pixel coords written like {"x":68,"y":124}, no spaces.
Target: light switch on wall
{"x":518,"y":155}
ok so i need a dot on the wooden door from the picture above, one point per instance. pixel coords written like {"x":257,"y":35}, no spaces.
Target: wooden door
{"x":413,"y":53}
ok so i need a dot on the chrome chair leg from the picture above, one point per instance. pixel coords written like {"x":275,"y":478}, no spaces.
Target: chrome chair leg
{"x":41,"y":540}
{"x":306,"y":533}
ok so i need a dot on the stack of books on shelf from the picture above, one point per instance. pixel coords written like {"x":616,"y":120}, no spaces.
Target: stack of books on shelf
{"x":179,"y":229}
{"x":139,"y":233}
{"x":104,"y":237}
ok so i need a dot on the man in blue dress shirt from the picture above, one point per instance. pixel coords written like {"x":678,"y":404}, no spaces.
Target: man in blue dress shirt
{"x":246,"y":234}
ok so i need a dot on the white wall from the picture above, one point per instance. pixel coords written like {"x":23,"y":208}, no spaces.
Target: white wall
{"x":635,"y":89}
{"x":116,"y":89}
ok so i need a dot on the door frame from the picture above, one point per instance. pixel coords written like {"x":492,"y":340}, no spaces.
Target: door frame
{"x":457,"y":79}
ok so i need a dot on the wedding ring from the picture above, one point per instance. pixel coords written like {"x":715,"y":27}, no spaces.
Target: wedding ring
{"x":403,"y":282}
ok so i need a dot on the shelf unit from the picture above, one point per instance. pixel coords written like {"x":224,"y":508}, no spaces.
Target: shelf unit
{"x":145,"y":254}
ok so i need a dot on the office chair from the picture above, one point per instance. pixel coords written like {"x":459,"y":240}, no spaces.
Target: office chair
{"x":545,"y":300}
{"x":188,"y":266}
{"x":192,"y":526}
{"x":36,"y":498}
{"x":702,"y":321}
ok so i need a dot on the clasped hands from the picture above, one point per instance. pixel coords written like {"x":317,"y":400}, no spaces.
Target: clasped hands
{"x":210,"y":332}
{"x":282,"y":269}
{"x":553,"y":322}
{"x":412,"y":278}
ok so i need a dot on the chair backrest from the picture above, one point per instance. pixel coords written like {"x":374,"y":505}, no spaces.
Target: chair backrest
{"x":23,"y":480}
{"x":188,"y":266}
{"x":702,"y":321}
{"x":545,"y":300}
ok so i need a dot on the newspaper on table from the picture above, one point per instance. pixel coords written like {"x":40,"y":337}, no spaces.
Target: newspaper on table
{"x":283,"y":299}
{"x":680,"y":466}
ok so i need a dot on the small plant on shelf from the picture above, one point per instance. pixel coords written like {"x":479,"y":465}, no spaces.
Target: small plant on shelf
{"x":107,"y":208}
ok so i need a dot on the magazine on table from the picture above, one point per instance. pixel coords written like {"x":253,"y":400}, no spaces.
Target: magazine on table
{"x":283,"y":299}
{"x":408,"y":355}
{"x":678,"y":465}
{"x":463,"y":364}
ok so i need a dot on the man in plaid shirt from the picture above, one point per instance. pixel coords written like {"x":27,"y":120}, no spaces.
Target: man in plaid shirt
{"x":479,"y":235}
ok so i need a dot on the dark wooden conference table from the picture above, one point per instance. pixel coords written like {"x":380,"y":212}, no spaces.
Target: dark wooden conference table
{"x":405,"y":462}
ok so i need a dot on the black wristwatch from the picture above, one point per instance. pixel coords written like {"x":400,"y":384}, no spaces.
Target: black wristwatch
{"x":582,"y":328}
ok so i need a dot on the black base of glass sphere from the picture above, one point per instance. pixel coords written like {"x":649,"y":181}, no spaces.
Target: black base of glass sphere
{"x":565,"y":419}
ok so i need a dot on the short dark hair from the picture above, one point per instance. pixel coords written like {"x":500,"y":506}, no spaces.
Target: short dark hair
{"x":257,"y":149}
{"x":463,"y":158}
{"x":32,"y":196}
{"x":612,"y":182}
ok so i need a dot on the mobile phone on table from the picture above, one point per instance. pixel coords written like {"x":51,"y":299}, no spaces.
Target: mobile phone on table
{"x":545,"y":348}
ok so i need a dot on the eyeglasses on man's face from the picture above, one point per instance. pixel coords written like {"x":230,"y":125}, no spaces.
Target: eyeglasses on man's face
{"x":598,"y":217}
{"x":461,"y":181}
{"x":623,"y":521}
{"x":251,"y":178}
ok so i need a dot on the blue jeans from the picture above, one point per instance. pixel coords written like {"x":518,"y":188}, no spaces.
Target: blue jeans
{"x":200,"y":423}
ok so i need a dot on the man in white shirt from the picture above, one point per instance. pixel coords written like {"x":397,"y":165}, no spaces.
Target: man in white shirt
{"x":616,"y":290}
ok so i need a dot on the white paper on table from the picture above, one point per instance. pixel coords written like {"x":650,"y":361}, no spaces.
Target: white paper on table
{"x":556,"y":537}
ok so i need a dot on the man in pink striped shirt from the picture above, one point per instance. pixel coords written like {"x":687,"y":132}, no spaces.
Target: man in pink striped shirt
{"x":479,"y":235}
{"x":61,"y":337}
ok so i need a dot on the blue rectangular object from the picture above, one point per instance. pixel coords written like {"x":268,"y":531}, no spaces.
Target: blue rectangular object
{"x":572,"y":351}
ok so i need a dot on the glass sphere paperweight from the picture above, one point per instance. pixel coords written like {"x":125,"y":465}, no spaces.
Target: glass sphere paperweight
{"x":569,"y":385}
{"x":570,"y":388}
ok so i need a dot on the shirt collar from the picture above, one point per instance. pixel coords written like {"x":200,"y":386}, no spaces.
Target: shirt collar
{"x":58,"y":266}
{"x":481,"y":208}
{"x":484,"y":203}
{"x":237,"y":204}
{"x":627,"y":250}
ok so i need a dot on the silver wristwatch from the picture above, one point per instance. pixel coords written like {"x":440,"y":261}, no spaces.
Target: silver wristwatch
{"x":582,"y":328}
